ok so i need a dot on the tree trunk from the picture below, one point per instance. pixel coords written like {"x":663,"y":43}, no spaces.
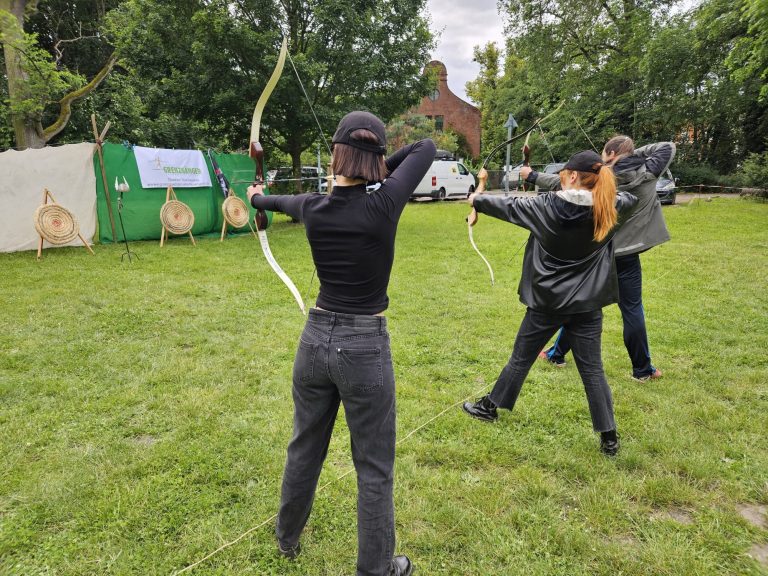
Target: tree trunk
{"x":27,"y":135}
{"x":28,"y":131}
{"x":296,"y":164}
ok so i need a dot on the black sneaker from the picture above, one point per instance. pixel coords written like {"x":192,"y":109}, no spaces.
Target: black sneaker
{"x":609,"y":443}
{"x":483,"y":409}
{"x":401,"y":566}
{"x":291,"y":552}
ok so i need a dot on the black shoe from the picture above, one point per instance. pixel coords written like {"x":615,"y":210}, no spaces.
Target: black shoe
{"x":291,"y":552}
{"x":609,"y":443}
{"x":401,"y":566}
{"x":483,"y":409}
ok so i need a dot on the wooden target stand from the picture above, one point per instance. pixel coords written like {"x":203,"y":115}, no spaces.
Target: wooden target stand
{"x":176,"y":217}
{"x":56,"y":224}
{"x":99,"y":138}
{"x":236,"y":213}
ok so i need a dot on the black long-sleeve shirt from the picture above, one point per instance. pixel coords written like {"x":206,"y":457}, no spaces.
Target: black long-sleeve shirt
{"x":352,"y":232}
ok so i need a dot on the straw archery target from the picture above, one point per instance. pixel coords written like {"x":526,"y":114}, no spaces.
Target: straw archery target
{"x":56,"y":224}
{"x":177,"y":217}
{"x":235,"y":212}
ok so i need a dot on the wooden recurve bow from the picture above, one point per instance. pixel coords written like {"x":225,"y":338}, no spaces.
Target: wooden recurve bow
{"x":256,"y":152}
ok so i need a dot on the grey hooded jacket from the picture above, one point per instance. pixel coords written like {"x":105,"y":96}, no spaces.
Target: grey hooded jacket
{"x":644,"y":227}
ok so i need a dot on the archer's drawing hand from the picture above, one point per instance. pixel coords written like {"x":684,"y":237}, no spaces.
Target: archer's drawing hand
{"x":253,"y":190}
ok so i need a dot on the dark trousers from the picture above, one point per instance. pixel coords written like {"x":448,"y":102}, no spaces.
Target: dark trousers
{"x":535,"y":331}
{"x":631,"y":305}
{"x":344,"y":358}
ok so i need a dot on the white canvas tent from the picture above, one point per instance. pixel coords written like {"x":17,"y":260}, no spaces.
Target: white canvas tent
{"x":67,"y":171}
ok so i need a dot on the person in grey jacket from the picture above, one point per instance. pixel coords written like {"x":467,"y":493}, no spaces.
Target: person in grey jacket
{"x":637,"y":171}
{"x":569,"y":275}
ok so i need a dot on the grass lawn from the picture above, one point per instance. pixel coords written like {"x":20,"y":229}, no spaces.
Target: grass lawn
{"x":145,"y":409}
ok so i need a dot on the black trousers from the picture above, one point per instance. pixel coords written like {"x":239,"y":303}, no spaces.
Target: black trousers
{"x":585,"y":332}
{"x":344,"y":358}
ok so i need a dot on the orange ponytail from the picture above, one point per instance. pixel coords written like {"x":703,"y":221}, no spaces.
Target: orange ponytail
{"x":604,"y":203}
{"x":603,"y":187}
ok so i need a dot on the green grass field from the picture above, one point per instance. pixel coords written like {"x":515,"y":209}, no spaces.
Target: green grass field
{"x":145,"y":409}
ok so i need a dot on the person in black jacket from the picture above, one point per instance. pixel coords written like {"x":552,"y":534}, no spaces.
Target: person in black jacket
{"x":637,"y":171}
{"x":344,"y":352}
{"x":569,"y":275}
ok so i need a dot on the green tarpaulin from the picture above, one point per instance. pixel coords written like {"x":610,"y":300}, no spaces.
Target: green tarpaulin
{"x":141,"y":206}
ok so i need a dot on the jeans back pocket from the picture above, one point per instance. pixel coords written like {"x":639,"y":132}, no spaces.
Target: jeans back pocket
{"x":304,"y":364}
{"x":360,"y":368}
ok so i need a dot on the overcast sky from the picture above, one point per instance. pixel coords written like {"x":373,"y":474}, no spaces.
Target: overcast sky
{"x":461,"y":25}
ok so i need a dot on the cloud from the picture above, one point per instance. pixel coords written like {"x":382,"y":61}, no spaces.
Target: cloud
{"x":461,"y":26}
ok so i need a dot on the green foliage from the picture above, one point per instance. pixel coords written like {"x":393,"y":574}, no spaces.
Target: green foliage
{"x":6,"y":130}
{"x":413,"y":127}
{"x":690,"y":174}
{"x":749,"y":58}
{"x":56,"y":53}
{"x":118,"y":102}
{"x":39,"y":81}
{"x":631,"y":67}
{"x":754,"y":171}
{"x":145,"y":409}
{"x":348,"y":55}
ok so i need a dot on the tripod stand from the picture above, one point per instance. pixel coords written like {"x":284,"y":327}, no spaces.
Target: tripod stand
{"x":123,"y":188}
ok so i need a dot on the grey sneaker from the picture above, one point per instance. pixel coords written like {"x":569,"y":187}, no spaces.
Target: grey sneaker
{"x":655,"y":375}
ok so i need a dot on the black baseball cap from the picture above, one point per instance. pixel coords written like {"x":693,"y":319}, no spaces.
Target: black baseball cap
{"x":585,"y":161}
{"x":360,"y":120}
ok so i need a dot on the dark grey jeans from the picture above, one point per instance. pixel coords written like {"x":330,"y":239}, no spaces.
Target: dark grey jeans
{"x":585,"y":332}
{"x":344,"y":358}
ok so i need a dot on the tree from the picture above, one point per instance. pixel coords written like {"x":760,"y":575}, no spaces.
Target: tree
{"x":36,"y":78}
{"x":412,"y":127}
{"x":201,"y":65}
{"x":634,"y":67}
{"x":749,"y":58}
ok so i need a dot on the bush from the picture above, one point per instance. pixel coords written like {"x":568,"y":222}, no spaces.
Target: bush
{"x":694,"y":174}
{"x":754,"y":172}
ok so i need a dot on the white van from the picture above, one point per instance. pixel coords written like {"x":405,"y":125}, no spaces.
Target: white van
{"x":445,"y":179}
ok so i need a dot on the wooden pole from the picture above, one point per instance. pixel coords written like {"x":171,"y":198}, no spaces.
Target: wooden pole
{"x":85,"y":243}
{"x":164,"y":232}
{"x":40,"y":244}
{"x":99,"y":139}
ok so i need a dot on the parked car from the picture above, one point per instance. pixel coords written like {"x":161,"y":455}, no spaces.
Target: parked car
{"x":551,"y":168}
{"x":666,"y":188}
{"x":511,"y":173}
{"x":445,"y":179}
{"x":283,"y":181}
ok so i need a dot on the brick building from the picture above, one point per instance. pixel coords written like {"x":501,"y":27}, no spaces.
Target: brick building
{"x":450,"y":111}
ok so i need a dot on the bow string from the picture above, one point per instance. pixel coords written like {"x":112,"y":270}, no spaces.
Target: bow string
{"x":482,"y":176}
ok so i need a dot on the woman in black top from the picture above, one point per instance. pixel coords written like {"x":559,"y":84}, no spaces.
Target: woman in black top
{"x":569,"y":274}
{"x":344,"y":351}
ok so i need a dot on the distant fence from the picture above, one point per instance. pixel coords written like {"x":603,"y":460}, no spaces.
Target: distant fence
{"x":496,"y":182}
{"x":708,"y":189}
